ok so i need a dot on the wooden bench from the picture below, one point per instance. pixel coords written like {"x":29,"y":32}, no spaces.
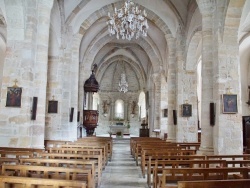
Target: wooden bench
{"x":71,"y":163}
{"x":91,"y":150}
{"x":135,"y":140}
{"x":96,"y":158}
{"x":239,"y":183}
{"x":6,"y":160}
{"x":28,"y":182}
{"x":172,"y":175}
{"x":229,"y":157}
{"x":161,"y":153}
{"x":140,"y":145}
{"x":90,"y":141}
{"x":189,"y":145}
{"x":160,"y":147}
{"x":238,"y":163}
{"x":33,"y":150}
{"x":83,"y":151}
{"x":48,"y":172}
{"x":157,"y":166}
{"x":158,"y":153}
{"x":16,"y":154}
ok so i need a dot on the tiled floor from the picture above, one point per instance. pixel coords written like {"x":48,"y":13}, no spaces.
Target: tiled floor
{"x":122,"y":171}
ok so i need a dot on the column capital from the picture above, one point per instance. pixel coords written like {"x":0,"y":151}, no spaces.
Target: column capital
{"x":206,"y":6}
{"x":155,"y":77}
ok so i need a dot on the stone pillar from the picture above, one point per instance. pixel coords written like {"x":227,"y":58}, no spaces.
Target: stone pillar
{"x":227,"y":131}
{"x":26,"y":60}
{"x":155,"y":114}
{"x":206,"y":8}
{"x":171,"y":81}
{"x":74,"y":90}
{"x":126,"y":111}
{"x":112,"y":107}
{"x":157,"y":99}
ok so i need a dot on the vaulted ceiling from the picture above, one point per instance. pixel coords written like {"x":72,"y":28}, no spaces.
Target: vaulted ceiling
{"x":148,"y":54}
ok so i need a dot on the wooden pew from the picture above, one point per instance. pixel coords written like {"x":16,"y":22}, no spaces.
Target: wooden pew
{"x":96,"y":158}
{"x":161,"y":152}
{"x":189,"y":174}
{"x":135,"y":140}
{"x":239,"y":183}
{"x":16,"y":154}
{"x":189,"y":145}
{"x":159,"y":147}
{"x":48,"y":172}
{"x":238,"y":163}
{"x":33,"y":150}
{"x":156,"y":166}
{"x":6,"y":160}
{"x":229,"y":157}
{"x":90,"y":141}
{"x":91,"y":149}
{"x":28,"y":182}
{"x":139,"y":145}
{"x":71,"y":163}
{"x":83,"y":151}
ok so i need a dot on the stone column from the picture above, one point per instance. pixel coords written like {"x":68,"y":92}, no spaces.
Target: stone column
{"x":206,"y":8}
{"x":126,"y":111}
{"x":26,"y":60}
{"x":171,"y":81}
{"x":227,"y":131}
{"x":72,"y":127}
{"x":112,"y":107}
{"x":157,"y":99}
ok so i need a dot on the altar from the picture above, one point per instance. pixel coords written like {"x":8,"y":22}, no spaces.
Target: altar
{"x":118,"y":128}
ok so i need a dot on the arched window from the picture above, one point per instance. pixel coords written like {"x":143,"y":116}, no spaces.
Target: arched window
{"x":119,"y":109}
{"x":142,"y":104}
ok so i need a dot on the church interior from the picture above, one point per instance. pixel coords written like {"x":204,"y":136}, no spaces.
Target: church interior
{"x":172,"y":70}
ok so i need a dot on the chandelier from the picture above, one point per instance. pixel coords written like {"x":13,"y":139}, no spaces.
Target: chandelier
{"x":128,"y":22}
{"x":123,"y":84}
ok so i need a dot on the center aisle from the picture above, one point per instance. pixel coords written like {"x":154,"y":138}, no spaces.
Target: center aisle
{"x":122,"y":171}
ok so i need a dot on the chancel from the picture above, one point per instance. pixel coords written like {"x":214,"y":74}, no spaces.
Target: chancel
{"x":124,"y":80}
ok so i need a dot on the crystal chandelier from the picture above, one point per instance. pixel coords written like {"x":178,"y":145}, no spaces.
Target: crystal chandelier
{"x":128,"y":22}
{"x":123,"y":84}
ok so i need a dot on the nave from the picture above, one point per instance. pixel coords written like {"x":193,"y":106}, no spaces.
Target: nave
{"x":122,"y":171}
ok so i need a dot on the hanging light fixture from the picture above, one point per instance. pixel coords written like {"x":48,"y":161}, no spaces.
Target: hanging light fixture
{"x":123,"y":84}
{"x":128,"y":22}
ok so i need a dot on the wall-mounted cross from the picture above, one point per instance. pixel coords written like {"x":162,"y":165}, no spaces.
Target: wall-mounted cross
{"x":15,"y":81}
{"x":229,"y":90}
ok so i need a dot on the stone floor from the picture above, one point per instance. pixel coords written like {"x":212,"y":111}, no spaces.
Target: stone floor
{"x":122,"y":171}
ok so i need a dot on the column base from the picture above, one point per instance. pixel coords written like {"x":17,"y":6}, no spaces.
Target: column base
{"x":205,"y":151}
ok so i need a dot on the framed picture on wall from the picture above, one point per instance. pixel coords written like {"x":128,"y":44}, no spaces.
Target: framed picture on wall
{"x":229,"y":102}
{"x":52,"y":107}
{"x":14,"y":95}
{"x":186,"y":110}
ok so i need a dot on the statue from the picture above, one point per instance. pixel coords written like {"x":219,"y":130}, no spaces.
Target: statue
{"x":133,"y":106}
{"x":105,"y":107}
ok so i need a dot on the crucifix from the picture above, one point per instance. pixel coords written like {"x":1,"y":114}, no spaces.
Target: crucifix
{"x":228,"y":90}
{"x":15,"y":81}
